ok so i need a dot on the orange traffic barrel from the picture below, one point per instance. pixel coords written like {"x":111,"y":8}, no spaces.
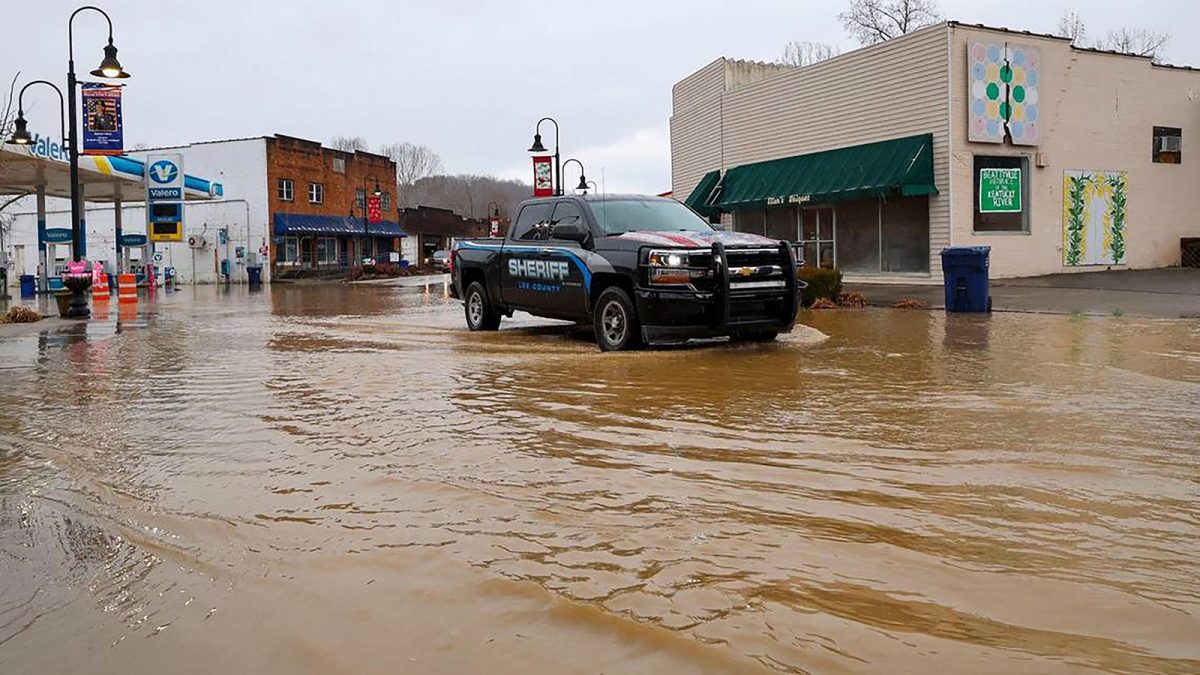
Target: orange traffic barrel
{"x":126,"y":288}
{"x":100,"y":290}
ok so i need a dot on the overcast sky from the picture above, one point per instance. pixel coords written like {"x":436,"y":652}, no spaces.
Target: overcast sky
{"x":466,"y":77}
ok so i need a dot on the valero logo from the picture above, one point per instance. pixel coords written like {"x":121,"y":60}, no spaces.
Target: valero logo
{"x":163,"y":171}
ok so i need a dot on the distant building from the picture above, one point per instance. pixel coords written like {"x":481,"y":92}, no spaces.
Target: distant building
{"x":288,"y":204}
{"x":1059,"y":158}
{"x":432,"y":229}
{"x":318,"y":209}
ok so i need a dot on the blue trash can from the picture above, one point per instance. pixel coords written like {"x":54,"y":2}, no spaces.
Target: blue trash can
{"x":965,"y":272}
{"x":254,"y":275}
{"x":28,"y":285}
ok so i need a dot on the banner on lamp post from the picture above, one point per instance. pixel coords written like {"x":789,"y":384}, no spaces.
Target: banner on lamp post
{"x":543,"y":177}
{"x":374,"y":209}
{"x":494,"y":229}
{"x":103,"y":132}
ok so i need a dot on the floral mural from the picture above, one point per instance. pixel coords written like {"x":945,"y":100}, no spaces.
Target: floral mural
{"x":1094,"y":217}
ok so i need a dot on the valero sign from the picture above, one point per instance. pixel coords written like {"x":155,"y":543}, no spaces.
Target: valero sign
{"x":164,"y":197}
{"x":57,"y":235}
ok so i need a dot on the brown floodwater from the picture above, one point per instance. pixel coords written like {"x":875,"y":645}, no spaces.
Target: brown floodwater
{"x":344,"y":480}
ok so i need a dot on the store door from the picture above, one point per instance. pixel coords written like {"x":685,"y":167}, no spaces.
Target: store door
{"x":817,"y":236}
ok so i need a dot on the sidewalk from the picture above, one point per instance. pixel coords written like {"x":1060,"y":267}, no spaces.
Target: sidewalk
{"x":1164,"y":293}
{"x":415,"y":281}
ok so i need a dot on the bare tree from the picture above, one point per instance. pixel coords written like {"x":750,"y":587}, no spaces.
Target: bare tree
{"x":1071,"y":25}
{"x":349,"y":143}
{"x":413,"y":162}
{"x":1139,"y":41}
{"x":8,"y":111}
{"x":872,"y":21}
{"x":799,"y":53}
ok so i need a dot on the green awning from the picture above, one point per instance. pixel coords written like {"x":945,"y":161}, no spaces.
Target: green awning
{"x":903,"y":166}
{"x":698,"y":200}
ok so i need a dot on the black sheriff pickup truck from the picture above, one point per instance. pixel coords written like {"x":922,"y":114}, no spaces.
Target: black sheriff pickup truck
{"x":639,"y":269}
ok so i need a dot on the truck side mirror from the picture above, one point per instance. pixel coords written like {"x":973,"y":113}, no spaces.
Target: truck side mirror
{"x":570,"y":232}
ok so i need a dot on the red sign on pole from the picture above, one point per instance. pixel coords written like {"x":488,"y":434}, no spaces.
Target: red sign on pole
{"x":374,"y":210}
{"x":543,"y":177}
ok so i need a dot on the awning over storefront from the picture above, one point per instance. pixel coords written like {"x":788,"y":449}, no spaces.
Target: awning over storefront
{"x":295,"y":223}
{"x":903,"y":166}
{"x":703,"y":194}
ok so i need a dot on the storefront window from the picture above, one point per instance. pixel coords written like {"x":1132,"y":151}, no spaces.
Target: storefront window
{"x":992,"y":218}
{"x":288,"y":251}
{"x":326,"y":251}
{"x":858,"y":236}
{"x":905,"y":234}
{"x":752,"y":221}
{"x":781,"y":224}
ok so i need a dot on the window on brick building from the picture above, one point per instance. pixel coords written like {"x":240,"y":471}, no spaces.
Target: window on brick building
{"x":360,"y":198}
{"x":316,"y":193}
{"x":339,"y":165}
{"x":287,"y":189}
{"x":385,"y":201}
{"x":1168,"y":145}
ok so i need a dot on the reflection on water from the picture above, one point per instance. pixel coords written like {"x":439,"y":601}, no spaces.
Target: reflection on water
{"x":341,"y":479}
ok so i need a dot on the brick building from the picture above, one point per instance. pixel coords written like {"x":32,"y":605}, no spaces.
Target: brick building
{"x":432,"y":229}
{"x":316,"y":198}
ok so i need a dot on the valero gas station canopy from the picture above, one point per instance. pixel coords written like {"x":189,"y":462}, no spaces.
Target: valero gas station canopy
{"x":105,"y":178}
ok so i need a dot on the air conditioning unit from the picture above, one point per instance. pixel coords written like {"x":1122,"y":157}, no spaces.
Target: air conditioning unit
{"x":196,"y":241}
{"x":1170,"y":143}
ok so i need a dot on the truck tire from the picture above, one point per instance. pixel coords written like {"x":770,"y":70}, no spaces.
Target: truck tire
{"x":615,"y":321}
{"x":480,"y":313}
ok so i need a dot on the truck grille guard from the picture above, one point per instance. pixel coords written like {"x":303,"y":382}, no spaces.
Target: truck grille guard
{"x":792,"y":285}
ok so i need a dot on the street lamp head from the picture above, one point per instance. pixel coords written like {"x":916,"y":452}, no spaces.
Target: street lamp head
{"x":537,"y":144}
{"x":110,"y":67}
{"x":378,"y":192}
{"x":21,"y":134}
{"x":583,"y":184}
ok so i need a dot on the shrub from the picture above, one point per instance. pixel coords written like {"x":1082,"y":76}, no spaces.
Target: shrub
{"x":386,"y":269}
{"x":823,"y":303}
{"x":822,"y":283}
{"x":368,"y":269}
{"x":355,"y":273}
{"x":20,"y":314}
{"x":912,"y":303}
{"x":852,"y":300}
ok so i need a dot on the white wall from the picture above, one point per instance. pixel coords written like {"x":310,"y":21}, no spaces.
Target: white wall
{"x":239,"y":165}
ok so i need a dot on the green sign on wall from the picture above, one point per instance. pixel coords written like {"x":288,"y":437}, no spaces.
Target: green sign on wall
{"x":999,"y":190}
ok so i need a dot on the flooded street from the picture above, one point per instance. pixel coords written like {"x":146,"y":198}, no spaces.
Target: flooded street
{"x":342,"y":479}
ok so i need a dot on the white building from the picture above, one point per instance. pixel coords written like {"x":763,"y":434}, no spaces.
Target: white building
{"x":874,"y":159}
{"x":241,"y":209}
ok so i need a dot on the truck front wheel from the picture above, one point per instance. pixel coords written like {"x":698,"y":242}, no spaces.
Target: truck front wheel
{"x":480,"y":313}
{"x":615,"y":321}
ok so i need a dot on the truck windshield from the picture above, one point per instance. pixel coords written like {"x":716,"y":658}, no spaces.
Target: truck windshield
{"x":618,"y":216}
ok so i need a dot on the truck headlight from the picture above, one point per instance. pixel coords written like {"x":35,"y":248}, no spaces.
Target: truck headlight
{"x":667,"y":259}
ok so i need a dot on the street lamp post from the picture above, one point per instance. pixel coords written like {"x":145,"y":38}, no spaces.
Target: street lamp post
{"x":583,"y":182}
{"x":109,"y":68}
{"x":538,"y":147}
{"x":366,"y":215}
{"x":21,"y":136}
